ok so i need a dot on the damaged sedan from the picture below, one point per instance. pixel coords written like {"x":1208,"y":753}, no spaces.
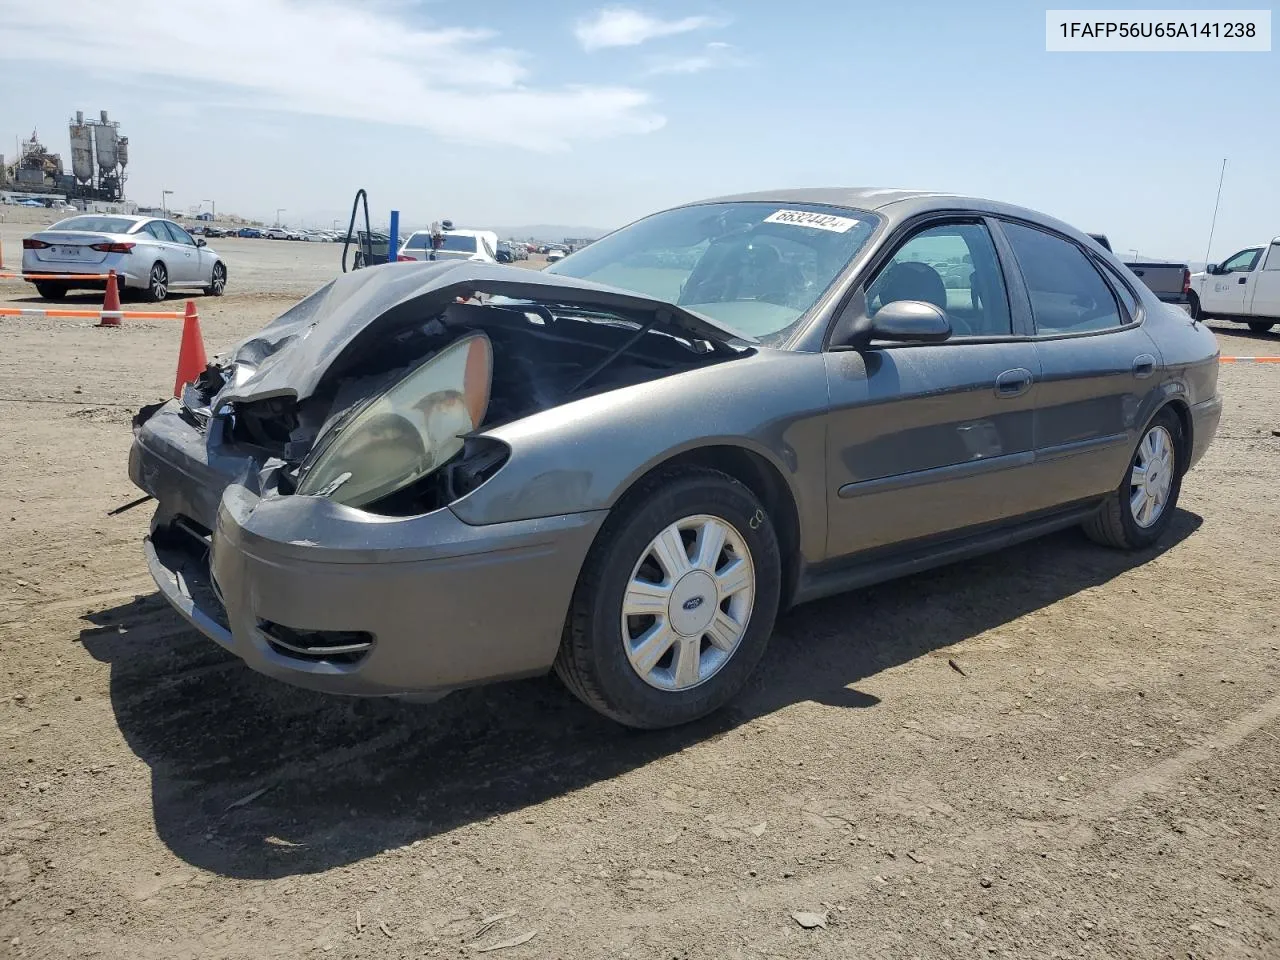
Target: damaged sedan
{"x":428,"y":476}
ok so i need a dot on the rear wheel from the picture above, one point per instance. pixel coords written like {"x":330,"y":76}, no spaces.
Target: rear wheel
{"x":51,"y":290}
{"x":1261,"y":326}
{"x":157,"y":283}
{"x":218,"y":281}
{"x":1137,"y":514}
{"x":675,"y":603}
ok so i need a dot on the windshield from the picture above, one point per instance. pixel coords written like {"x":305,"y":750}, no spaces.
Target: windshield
{"x":756,"y":267}
{"x":452,"y":241}
{"x":95,"y":224}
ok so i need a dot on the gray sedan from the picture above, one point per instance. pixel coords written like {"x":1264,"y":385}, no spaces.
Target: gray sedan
{"x":427,"y":476}
{"x":147,"y":253}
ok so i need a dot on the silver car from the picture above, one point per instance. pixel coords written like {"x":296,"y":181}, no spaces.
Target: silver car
{"x":427,"y":476}
{"x":147,"y":253}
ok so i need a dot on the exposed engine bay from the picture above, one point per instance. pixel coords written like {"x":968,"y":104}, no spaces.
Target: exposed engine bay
{"x":521,"y":356}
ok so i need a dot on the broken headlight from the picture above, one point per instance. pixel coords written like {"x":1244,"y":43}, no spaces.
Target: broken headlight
{"x":406,"y":433}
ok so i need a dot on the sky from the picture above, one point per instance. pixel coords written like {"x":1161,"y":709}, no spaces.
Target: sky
{"x":580,"y":113}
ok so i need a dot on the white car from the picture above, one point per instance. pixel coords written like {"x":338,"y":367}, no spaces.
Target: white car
{"x":1244,"y":288}
{"x":147,"y":253}
{"x":555,"y":254}
{"x":481,"y":245}
{"x":275,"y":233}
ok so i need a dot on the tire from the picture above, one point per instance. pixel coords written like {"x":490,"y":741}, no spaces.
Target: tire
{"x":1117,"y":524}
{"x":51,"y":291}
{"x":218,"y":280}
{"x":157,"y":283}
{"x":1261,"y":326}
{"x":593,"y":660}
{"x":1193,"y":304}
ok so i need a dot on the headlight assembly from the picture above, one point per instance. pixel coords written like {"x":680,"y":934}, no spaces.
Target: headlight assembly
{"x":407,"y":432}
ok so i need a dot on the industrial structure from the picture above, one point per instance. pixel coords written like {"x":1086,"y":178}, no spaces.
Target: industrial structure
{"x":99,"y":156}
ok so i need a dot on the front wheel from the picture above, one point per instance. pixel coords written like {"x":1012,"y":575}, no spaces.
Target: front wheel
{"x":675,"y":603}
{"x":157,"y":283}
{"x":1137,"y":514}
{"x":1261,"y":326}
{"x":217,"y":281}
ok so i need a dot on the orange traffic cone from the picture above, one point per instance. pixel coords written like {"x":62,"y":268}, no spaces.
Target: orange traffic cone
{"x":191,"y":356}
{"x":111,"y":303}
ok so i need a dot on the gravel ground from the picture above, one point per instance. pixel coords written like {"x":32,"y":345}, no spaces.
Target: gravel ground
{"x":1055,"y":751}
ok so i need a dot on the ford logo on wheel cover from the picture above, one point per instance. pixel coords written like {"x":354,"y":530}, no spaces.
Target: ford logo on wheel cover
{"x":693,"y":603}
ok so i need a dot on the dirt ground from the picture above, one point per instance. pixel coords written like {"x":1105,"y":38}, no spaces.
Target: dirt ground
{"x":1056,"y":751}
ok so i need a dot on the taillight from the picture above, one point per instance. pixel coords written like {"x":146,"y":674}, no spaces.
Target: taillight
{"x":1186,"y":280}
{"x":111,"y":247}
{"x":30,"y":244}
{"x":402,"y":258}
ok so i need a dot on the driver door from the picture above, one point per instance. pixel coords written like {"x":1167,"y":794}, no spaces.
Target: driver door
{"x":1226,"y":291}
{"x":185,"y":265}
{"x":928,"y":439}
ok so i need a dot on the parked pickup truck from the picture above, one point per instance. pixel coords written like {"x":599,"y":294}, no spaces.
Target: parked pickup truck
{"x":1244,"y":288}
{"x":1171,"y":282}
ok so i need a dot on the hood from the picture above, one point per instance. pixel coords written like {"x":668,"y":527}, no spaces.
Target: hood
{"x":289,"y":357}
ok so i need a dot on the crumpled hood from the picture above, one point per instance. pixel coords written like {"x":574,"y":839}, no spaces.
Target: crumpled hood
{"x":290,"y":355}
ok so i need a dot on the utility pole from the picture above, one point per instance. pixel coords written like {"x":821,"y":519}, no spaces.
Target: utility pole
{"x":164,"y":204}
{"x":213,"y":207}
{"x":279,"y":210}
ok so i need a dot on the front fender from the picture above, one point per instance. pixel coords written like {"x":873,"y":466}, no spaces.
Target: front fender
{"x":586,"y":454}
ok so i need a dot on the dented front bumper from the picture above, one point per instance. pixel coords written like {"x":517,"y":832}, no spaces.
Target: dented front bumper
{"x":415,"y":605}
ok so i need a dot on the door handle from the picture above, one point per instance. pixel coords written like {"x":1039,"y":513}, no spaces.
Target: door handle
{"x":1144,"y":366}
{"x":1013,"y":383}
{"x":1243,"y":280}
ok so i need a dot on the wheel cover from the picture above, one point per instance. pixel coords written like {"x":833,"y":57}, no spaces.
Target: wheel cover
{"x":1151,"y":478}
{"x":688,"y":603}
{"x":219,"y":277}
{"x":159,"y":282}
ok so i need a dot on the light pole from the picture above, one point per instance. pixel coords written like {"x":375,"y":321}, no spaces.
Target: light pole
{"x":213,"y":207}
{"x":279,"y":210}
{"x":164,"y":205}
{"x":1134,"y":251}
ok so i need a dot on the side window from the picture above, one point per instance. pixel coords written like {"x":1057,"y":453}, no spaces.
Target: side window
{"x":1273,"y":258}
{"x":1241,"y":262}
{"x":156,"y":229}
{"x":178,"y":234}
{"x":954,"y":267}
{"x":1122,"y":290}
{"x":1068,"y":295}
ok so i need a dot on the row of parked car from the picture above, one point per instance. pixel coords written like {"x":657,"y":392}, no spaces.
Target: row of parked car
{"x":272,"y":233}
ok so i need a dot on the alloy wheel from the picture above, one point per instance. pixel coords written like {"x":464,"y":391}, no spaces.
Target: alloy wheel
{"x":159,"y":282}
{"x":1152,"y":477}
{"x":688,"y":603}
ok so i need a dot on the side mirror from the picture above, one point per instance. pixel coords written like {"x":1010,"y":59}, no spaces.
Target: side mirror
{"x":909,"y":321}
{"x":200,"y":242}
{"x":1212,"y":269}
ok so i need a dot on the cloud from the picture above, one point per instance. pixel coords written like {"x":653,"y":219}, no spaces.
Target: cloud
{"x":367,"y":61}
{"x":624,"y":27}
{"x":714,"y":56}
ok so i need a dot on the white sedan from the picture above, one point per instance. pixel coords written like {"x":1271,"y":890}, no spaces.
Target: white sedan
{"x":147,"y":253}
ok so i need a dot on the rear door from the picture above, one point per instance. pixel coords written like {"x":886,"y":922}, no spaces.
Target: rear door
{"x":186,"y":260}
{"x":927,"y":439}
{"x":1226,"y":292}
{"x":1266,"y":290}
{"x":1098,"y":365}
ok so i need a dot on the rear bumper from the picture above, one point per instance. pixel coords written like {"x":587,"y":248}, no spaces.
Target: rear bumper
{"x":1205,"y":417}
{"x":443,"y":604}
{"x":126,"y":274}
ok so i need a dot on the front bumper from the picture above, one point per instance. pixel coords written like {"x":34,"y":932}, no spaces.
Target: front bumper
{"x":445,"y":604}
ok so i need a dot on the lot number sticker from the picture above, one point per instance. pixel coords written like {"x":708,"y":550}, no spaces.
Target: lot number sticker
{"x":818,"y":221}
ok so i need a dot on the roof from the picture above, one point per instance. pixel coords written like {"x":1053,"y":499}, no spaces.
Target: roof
{"x":864,"y":198}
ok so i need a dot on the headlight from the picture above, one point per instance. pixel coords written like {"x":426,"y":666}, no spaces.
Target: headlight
{"x":409,"y":431}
